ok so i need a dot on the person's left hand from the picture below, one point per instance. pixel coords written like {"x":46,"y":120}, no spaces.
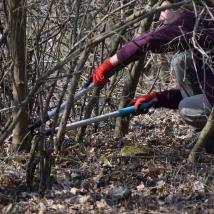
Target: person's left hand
{"x":144,"y":98}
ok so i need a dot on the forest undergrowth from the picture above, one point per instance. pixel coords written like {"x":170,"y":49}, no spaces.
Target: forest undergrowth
{"x":104,"y":176}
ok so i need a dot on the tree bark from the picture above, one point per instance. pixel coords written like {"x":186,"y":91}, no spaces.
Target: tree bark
{"x":70,"y":99}
{"x":17,"y":36}
{"x":129,"y":88}
{"x":205,"y":134}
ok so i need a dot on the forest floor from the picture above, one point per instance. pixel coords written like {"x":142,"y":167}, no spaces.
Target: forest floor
{"x":104,"y":176}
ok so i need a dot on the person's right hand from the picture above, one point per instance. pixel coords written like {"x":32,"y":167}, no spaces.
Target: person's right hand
{"x":98,"y":74}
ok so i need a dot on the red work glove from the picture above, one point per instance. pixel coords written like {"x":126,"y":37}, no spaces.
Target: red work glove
{"x":139,"y":100}
{"x":98,"y":74}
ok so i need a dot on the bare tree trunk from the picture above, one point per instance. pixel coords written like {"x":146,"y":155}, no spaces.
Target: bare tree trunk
{"x":74,"y":34}
{"x":88,"y":111}
{"x":17,"y":34}
{"x":129,"y":88}
{"x":122,"y":124}
{"x":70,"y":100}
{"x":205,"y":134}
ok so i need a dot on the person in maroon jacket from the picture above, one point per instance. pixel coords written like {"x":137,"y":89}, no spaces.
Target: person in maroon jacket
{"x":192,"y":36}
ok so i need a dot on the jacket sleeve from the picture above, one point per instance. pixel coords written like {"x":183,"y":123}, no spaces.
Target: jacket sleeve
{"x":168,"y":98}
{"x":170,"y":37}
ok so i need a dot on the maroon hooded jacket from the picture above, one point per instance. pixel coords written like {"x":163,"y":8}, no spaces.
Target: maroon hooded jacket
{"x":178,"y":36}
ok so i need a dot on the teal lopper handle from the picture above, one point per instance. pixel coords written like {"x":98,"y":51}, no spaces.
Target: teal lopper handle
{"x":130,"y":109}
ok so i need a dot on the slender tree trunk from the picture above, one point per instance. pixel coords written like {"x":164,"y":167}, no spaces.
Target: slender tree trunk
{"x":17,"y":36}
{"x":122,"y":124}
{"x":88,"y":111}
{"x":205,"y":134}
{"x":70,"y":99}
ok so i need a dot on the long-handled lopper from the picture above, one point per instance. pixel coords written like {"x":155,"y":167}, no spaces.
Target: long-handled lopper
{"x":88,"y":87}
{"x":119,"y":113}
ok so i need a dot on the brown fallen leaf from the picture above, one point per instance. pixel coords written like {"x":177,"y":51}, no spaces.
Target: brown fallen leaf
{"x":101,"y":204}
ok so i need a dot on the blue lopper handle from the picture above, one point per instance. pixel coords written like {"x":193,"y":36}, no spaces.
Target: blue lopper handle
{"x":130,"y":109}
